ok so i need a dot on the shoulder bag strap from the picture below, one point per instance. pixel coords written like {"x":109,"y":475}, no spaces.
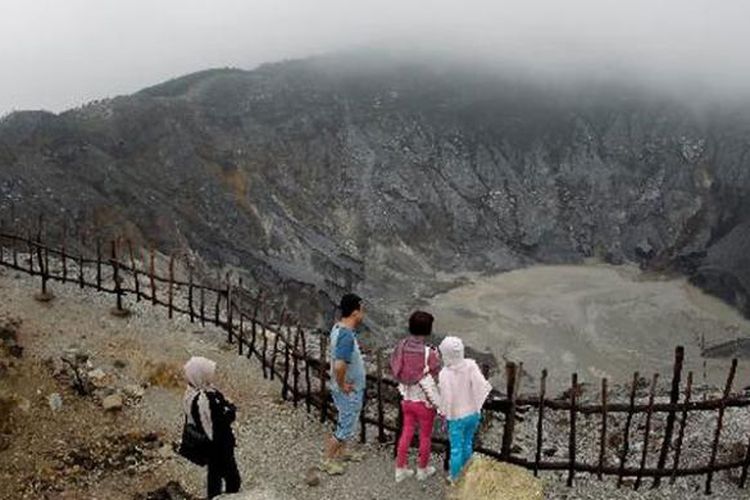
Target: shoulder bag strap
{"x":425,"y":374}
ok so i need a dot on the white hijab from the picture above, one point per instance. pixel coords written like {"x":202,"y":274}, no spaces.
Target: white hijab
{"x":199,"y":373}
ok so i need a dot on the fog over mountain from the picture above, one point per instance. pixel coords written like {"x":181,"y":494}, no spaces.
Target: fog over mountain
{"x":57,"y":55}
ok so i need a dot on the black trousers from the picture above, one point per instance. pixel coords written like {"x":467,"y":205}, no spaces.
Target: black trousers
{"x":223,"y":467}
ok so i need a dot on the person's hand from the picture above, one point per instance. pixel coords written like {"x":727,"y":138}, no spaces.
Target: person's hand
{"x":347,"y":388}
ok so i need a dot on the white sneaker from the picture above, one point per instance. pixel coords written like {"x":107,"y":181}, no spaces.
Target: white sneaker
{"x":423,"y":474}
{"x":402,"y":474}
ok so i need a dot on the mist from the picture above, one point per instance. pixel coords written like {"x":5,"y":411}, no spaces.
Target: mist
{"x":56,"y":55}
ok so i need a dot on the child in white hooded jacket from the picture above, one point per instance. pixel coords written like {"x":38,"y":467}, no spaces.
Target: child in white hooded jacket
{"x":463,"y":390}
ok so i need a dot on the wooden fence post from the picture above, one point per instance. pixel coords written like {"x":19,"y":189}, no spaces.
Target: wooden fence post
{"x":43,"y":258}
{"x":30,"y":246}
{"x":191,"y":309}
{"x":63,"y":254}
{"x":323,"y":374}
{"x":39,"y":256}
{"x":572,"y":435}
{"x":80,"y":263}
{"x":306,"y":357}
{"x":47,"y":273}
{"x":510,"y":415}
{"x":218,"y":298}
{"x":540,"y":422}
{"x":282,"y":318}
{"x":719,"y":425}
{"x":363,"y":416}
{"x":603,"y":434}
{"x":170,"y":290}
{"x":230,"y":326}
{"x":745,"y":466}
{"x":202,"y":309}
{"x":136,"y":280}
{"x":265,"y":341}
{"x":240,"y":311}
{"x":2,"y":243}
{"x":254,"y":325}
{"x":295,"y":365}
{"x":683,"y":423}
{"x":99,"y":264}
{"x":14,"y":255}
{"x":647,"y":431}
{"x":381,"y":412}
{"x":285,"y":382}
{"x":626,"y":434}
{"x":119,"y":310}
{"x":674,"y":396}
{"x":152,"y":274}
{"x":241,"y":333}
{"x":43,"y":296}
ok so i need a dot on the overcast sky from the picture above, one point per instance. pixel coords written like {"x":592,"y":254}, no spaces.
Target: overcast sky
{"x":57,"y":54}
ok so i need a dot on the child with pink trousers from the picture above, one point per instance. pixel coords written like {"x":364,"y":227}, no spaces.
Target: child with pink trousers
{"x":463,"y":390}
{"x":415,"y":364}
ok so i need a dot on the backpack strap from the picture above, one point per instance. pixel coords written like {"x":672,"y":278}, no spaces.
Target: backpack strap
{"x":195,"y":413}
{"x":425,"y":374}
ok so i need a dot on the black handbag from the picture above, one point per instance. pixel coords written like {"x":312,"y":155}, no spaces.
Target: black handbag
{"x":195,"y":445}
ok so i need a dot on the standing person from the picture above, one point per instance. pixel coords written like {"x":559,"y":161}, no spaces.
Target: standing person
{"x":463,"y":389}
{"x":207,"y":408}
{"x":347,"y":380}
{"x":415,"y":365}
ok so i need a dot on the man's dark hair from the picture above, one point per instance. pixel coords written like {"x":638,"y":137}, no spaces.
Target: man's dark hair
{"x":420,"y":323}
{"x":350,"y":303}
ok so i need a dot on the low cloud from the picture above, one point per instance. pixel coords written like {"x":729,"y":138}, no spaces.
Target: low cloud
{"x":56,"y":55}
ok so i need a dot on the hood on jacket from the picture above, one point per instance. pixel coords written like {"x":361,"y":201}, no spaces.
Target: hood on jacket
{"x":452,"y":352}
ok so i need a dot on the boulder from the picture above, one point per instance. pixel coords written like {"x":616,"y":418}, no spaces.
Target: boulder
{"x":113,"y":402}
{"x":312,"y":478}
{"x":23,"y":404}
{"x":5,"y":441}
{"x":134,"y":391}
{"x":487,"y":479}
{"x":98,"y":377}
{"x":55,"y":401}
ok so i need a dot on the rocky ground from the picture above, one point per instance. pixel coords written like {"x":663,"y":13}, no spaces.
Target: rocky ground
{"x":57,"y":443}
{"x":108,"y":432}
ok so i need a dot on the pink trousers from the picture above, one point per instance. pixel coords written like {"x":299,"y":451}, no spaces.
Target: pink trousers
{"x":415,"y":412}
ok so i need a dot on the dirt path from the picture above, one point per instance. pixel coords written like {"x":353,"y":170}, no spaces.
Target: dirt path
{"x":277,"y":443}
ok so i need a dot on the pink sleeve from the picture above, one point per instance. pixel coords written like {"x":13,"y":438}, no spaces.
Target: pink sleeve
{"x":434,"y":363}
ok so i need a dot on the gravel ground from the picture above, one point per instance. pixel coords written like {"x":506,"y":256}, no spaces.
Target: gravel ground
{"x":277,"y":443}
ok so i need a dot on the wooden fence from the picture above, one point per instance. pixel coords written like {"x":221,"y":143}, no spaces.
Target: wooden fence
{"x":297,"y":357}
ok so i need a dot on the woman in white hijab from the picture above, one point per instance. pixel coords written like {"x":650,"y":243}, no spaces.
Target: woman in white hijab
{"x":208,"y":409}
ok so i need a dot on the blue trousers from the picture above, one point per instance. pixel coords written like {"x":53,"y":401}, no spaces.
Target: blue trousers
{"x":461,"y":434}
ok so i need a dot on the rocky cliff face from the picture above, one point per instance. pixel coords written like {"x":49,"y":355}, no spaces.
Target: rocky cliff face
{"x":320,"y":175}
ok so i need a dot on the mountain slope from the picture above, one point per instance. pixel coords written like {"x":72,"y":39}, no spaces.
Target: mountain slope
{"x":328,"y":173}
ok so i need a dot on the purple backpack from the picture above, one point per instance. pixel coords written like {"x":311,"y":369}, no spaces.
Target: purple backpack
{"x":409,"y":361}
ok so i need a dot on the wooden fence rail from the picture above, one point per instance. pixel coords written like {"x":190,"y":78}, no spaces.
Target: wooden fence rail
{"x":298,"y":357}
